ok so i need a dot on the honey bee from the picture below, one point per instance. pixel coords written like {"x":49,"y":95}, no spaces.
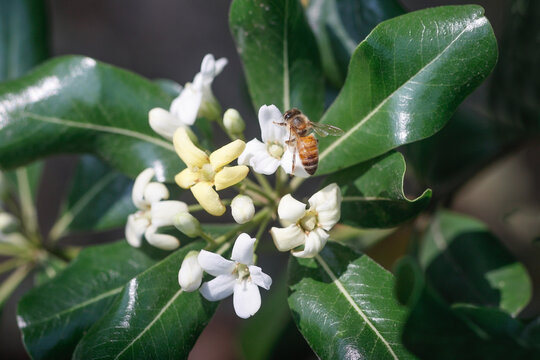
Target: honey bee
{"x":302,"y":139}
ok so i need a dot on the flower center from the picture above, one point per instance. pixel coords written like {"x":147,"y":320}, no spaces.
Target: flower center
{"x":242,"y":271}
{"x":309,"y":221}
{"x":275,"y":150}
{"x":207,"y":173}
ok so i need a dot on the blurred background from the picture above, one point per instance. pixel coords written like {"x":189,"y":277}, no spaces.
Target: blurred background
{"x":167,"y":39}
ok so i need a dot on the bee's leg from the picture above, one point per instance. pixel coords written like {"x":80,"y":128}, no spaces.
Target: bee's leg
{"x":293,"y":161}
{"x":280,"y":123}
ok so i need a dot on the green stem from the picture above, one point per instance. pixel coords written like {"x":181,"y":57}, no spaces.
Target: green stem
{"x":208,"y":238}
{"x":296,"y":182}
{"x":265,"y":184}
{"x":28,"y":210}
{"x":260,"y":216}
{"x":262,"y":227}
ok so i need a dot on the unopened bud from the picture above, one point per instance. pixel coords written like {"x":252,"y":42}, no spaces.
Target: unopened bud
{"x":191,"y":273}
{"x":242,"y":209}
{"x":233,"y":122}
{"x":188,"y":224}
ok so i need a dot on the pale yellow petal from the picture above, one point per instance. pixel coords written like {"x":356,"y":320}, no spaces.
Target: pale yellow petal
{"x":229,"y":176}
{"x":190,"y":154}
{"x":226,"y":154}
{"x":288,"y":238}
{"x":186,"y":178}
{"x":208,"y":198}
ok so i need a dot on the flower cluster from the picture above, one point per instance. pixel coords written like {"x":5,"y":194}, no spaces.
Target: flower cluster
{"x":305,"y":231}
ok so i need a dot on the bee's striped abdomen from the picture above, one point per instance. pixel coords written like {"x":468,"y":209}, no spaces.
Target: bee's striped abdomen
{"x":309,"y":153}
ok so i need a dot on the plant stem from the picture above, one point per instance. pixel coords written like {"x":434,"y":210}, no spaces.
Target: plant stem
{"x":265,"y":184}
{"x":260,"y":216}
{"x":262,"y":227}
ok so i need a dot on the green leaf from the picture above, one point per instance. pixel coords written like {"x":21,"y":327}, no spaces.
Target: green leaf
{"x":280,"y":55}
{"x":464,"y":262}
{"x":343,"y":304}
{"x":54,"y":316}
{"x":152,"y":318}
{"x":340,"y":25}
{"x":23,"y":36}
{"x":74,"y":104}
{"x":373,"y":193}
{"x":99,"y":199}
{"x":406,"y":80}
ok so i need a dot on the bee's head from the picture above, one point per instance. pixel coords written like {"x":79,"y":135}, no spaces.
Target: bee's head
{"x":291,"y":113}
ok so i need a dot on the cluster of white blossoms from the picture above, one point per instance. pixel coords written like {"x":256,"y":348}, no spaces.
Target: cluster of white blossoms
{"x":305,"y":230}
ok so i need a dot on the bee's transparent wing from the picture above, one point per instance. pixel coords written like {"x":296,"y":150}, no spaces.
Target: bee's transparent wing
{"x":326,"y":129}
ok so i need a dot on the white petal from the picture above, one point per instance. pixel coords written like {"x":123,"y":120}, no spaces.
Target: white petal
{"x":243,"y":249}
{"x":163,"y":213}
{"x":208,"y":65}
{"x":268,"y":115}
{"x":191,"y":273}
{"x":252,"y":148}
{"x":141,"y":181}
{"x":161,"y":241}
{"x":220,"y":64}
{"x":163,"y":122}
{"x":286,"y":163}
{"x":215,"y":264}
{"x":315,"y":242}
{"x":327,"y":203}
{"x":186,"y":106}
{"x":135,"y":228}
{"x":259,"y":278}
{"x":155,"y":192}
{"x":263,"y":163}
{"x":246,"y":299}
{"x":290,"y":209}
{"x":218,"y":288}
{"x":288,"y":238}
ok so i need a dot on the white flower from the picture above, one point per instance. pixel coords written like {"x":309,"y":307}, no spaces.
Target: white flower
{"x":190,"y":274}
{"x":195,"y":100}
{"x":266,"y":156}
{"x":242,"y":209}
{"x":307,"y":227}
{"x":153,"y":213}
{"x":239,"y":277}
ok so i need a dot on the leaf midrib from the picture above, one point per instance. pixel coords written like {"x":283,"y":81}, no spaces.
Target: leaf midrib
{"x":355,"y":128}
{"x":349,"y":298}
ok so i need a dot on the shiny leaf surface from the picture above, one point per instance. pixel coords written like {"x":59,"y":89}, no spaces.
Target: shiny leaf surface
{"x":344,"y":306}
{"x":373,"y":193}
{"x":152,"y":318}
{"x":406,"y":80}
{"x":54,"y":316}
{"x":74,"y":104}
{"x":464,"y":262}
{"x":280,"y":55}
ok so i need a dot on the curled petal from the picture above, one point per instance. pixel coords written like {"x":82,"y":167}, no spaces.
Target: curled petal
{"x":286,"y":163}
{"x":208,"y":65}
{"x":291,"y":210}
{"x":229,"y":176}
{"x":268,"y":116}
{"x":259,"y":278}
{"x":163,"y":213}
{"x":315,"y":242}
{"x":135,"y":228}
{"x":186,"y":178}
{"x":191,"y":273}
{"x":190,"y":154}
{"x":220,"y":64}
{"x":215,"y":264}
{"x":163,"y":122}
{"x":161,"y":241}
{"x":208,"y":198}
{"x":288,"y":238}
{"x":246,"y":299}
{"x":137,"y":195}
{"x":226,"y":154}
{"x":186,"y":106}
{"x":327,"y":203}
{"x":155,"y":192}
{"x":243,"y":249}
{"x":218,"y":288}
{"x":252,"y":148}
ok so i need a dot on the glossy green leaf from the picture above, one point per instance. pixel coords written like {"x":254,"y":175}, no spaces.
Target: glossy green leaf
{"x":406,"y":80}
{"x":340,"y":25}
{"x":344,"y":306}
{"x":373,"y":193}
{"x":74,"y":104}
{"x":99,"y":199}
{"x":464,"y":262}
{"x":279,"y":53}
{"x":54,"y":316}
{"x":23,"y":36}
{"x":152,"y":318}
